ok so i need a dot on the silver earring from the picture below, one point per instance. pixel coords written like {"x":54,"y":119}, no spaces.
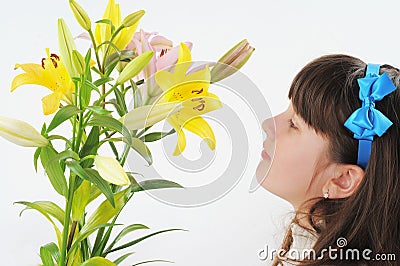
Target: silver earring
{"x":326,"y":195}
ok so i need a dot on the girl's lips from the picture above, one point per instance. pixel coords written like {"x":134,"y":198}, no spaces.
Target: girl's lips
{"x":265,"y":156}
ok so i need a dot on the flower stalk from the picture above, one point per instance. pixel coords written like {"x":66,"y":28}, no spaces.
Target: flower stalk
{"x":91,"y":104}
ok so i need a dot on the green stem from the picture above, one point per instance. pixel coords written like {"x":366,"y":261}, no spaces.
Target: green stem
{"x":103,"y":97}
{"x":109,"y":230}
{"x":80,"y":132}
{"x":111,"y":40}
{"x":71,"y":235}
{"x":52,"y":137}
{"x":125,"y":154}
{"x":138,"y":135}
{"x":95,"y":48}
{"x":67,"y":220}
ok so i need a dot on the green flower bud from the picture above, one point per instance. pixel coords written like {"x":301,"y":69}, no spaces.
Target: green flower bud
{"x":80,"y":15}
{"x":78,"y":61}
{"x":133,"y":18}
{"x":66,"y":45}
{"x":134,"y":67}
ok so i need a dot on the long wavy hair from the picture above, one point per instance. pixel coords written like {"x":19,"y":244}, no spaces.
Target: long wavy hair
{"x":324,"y":93}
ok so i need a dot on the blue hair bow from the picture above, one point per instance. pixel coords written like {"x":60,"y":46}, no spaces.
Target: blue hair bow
{"x":366,"y":121}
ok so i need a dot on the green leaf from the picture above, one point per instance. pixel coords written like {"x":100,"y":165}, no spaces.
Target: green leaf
{"x":107,"y":21}
{"x":81,"y":199}
{"x":43,"y":131}
{"x":111,"y":123}
{"x":98,"y":110}
{"x":63,"y":114}
{"x":84,"y":235}
{"x":51,"y":209}
{"x":54,"y":170}
{"x":102,"y":81}
{"x":117,"y":106}
{"x":46,"y":257}
{"x":88,"y":73}
{"x":156,"y":136}
{"x":36,"y":157}
{"x":129,"y":244}
{"x":154,"y":184}
{"x":123,"y":257}
{"x":94,"y":193}
{"x":98,"y":261}
{"x":121,"y":102}
{"x":124,"y":232}
{"x":91,"y":85}
{"x":85,"y":92}
{"x":62,"y":156}
{"x":38,"y":208}
{"x":94,"y":177}
{"x":105,"y":211}
{"x":90,"y":147}
{"x":143,"y":262}
{"x":141,"y":148}
{"x":48,"y":253}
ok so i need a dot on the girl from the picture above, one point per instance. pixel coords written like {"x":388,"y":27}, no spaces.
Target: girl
{"x":340,"y":173}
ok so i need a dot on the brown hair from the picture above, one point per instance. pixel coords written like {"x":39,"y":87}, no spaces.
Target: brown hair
{"x":324,"y":93}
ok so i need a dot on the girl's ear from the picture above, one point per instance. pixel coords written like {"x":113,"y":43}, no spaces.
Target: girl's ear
{"x":345,"y":182}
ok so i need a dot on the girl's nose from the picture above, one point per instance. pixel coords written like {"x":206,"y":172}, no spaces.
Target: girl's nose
{"x":268,"y":126}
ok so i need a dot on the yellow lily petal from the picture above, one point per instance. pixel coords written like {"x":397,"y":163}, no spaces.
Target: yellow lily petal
{"x":33,"y":76}
{"x":125,"y":36}
{"x":194,"y":85}
{"x":52,"y":74}
{"x":51,"y":102}
{"x":33,"y":69}
{"x":103,"y":31}
{"x":201,"y":128}
{"x":181,"y":145}
{"x":200,"y":105}
{"x":184,"y":59}
{"x":184,"y":54}
{"x":166,"y":80}
{"x":24,"y":79}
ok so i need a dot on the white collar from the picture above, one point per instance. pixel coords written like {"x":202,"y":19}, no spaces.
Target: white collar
{"x":302,"y":238}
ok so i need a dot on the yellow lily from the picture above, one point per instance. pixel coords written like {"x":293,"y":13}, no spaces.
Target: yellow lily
{"x":51,"y":74}
{"x":103,"y":30}
{"x":192,"y":90}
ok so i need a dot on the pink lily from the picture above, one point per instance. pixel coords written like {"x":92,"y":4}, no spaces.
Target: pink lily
{"x":165,"y":56}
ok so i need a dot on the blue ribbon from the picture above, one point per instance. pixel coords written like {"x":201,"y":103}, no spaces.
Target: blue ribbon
{"x":366,"y":121}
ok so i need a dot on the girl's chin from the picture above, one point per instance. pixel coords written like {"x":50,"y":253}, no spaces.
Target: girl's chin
{"x":262,"y":172}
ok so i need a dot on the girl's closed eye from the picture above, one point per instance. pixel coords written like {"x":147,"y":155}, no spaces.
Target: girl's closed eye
{"x":291,"y":124}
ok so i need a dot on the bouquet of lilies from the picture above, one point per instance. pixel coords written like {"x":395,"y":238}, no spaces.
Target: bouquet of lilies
{"x":89,"y":94}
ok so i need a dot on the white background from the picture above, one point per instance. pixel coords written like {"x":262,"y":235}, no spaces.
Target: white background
{"x":286,"y":34}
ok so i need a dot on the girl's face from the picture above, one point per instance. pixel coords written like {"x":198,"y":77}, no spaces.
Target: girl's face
{"x":292,"y":153}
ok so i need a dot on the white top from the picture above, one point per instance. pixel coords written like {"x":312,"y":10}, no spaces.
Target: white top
{"x":303,"y":241}
{"x":302,"y":238}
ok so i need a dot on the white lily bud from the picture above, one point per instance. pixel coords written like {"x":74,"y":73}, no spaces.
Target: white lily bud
{"x":148,"y":115}
{"x":21,"y":133}
{"x":232,"y":61}
{"x":111,"y":170}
